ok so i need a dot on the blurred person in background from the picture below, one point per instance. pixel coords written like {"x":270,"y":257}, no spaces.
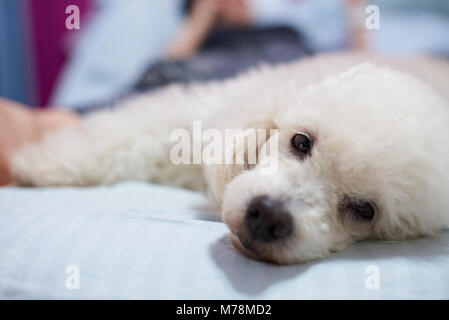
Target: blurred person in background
{"x":202,"y":17}
{"x":217,"y":40}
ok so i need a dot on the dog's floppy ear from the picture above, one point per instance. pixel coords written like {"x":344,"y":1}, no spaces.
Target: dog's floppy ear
{"x":241,"y":154}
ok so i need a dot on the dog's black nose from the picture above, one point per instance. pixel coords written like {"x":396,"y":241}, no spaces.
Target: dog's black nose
{"x":267,"y":220}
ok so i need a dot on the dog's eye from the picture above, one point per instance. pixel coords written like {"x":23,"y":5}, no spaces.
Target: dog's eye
{"x":364,"y":210}
{"x":301,"y":144}
{"x":358,"y":209}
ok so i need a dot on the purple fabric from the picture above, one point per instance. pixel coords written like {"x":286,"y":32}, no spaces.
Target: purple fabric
{"x":51,"y":39}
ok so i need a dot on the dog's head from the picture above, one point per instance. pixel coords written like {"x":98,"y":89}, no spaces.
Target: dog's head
{"x":362,"y":155}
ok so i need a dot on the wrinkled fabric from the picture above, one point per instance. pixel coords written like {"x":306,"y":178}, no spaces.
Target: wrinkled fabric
{"x":143,"y":241}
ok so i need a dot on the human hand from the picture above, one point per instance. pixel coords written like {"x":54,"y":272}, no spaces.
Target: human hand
{"x":20,"y":125}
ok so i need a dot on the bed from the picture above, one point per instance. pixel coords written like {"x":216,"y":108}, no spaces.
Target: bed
{"x":142,"y":241}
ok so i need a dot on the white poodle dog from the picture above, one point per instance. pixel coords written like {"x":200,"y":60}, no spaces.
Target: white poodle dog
{"x":363,"y":152}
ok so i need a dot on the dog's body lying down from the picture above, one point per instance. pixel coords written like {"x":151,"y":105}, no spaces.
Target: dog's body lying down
{"x":363,"y":152}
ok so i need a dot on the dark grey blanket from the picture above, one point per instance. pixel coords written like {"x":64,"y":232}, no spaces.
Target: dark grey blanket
{"x":225,"y":53}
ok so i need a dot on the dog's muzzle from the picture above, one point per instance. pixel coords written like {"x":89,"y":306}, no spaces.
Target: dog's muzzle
{"x":267,"y":220}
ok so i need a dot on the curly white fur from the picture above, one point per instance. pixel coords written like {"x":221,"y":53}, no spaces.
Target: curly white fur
{"x":381,"y":130}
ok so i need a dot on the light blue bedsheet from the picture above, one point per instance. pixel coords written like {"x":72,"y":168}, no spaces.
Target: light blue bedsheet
{"x":136,"y":240}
